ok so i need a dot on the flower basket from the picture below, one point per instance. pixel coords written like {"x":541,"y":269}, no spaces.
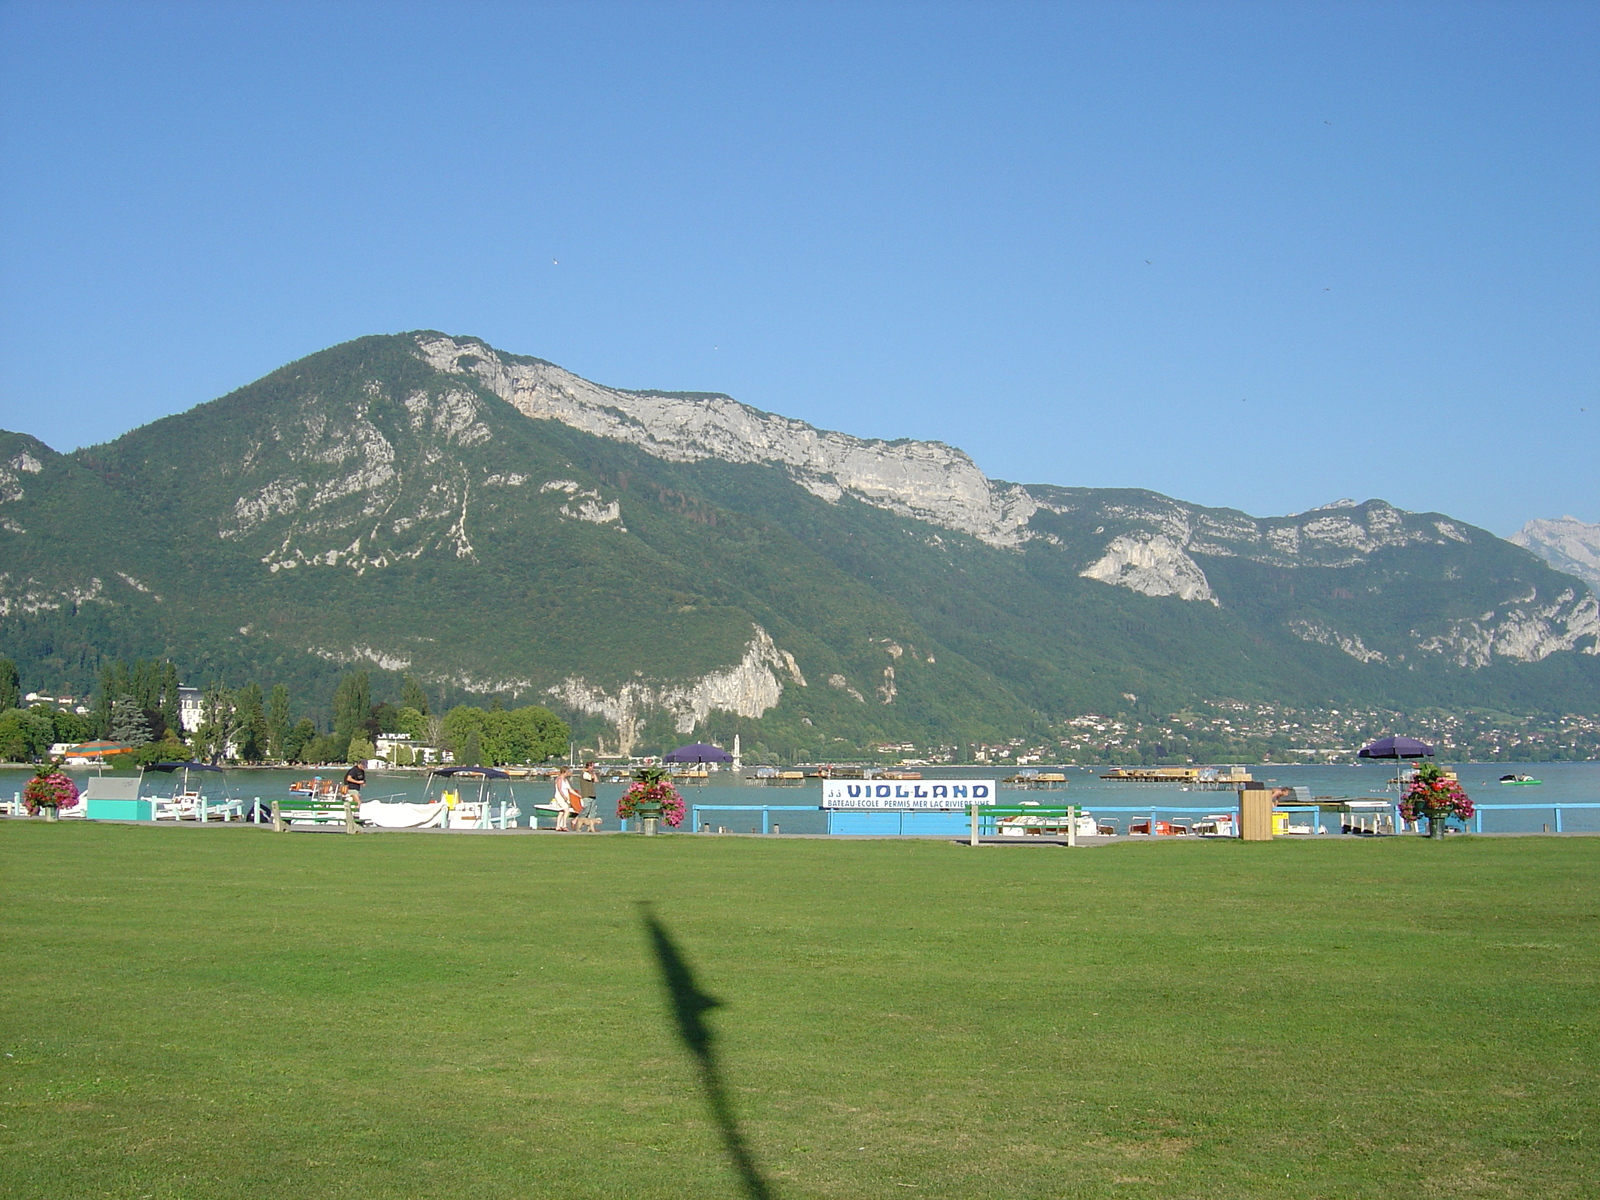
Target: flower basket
{"x":652,"y":798}
{"x":49,"y":792}
{"x":1435,"y":799}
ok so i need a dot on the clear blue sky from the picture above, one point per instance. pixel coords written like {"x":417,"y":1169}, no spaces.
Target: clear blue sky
{"x":1258,"y":255}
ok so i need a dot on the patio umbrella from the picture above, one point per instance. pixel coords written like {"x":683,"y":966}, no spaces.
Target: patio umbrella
{"x":1396,"y":748}
{"x":698,"y":753}
{"x":102,"y":748}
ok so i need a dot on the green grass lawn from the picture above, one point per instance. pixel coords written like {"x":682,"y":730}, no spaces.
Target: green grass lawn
{"x":228,"y":1012}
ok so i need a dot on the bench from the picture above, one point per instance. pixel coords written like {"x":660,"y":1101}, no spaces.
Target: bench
{"x":316,"y":811}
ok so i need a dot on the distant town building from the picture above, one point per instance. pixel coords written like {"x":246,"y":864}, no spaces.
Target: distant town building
{"x":394,"y":747}
{"x":62,"y":703}
{"x":190,"y":705}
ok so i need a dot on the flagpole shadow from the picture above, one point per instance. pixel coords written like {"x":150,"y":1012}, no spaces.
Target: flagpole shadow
{"x":689,"y":1008}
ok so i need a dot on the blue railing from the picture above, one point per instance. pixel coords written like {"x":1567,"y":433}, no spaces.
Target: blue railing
{"x":987,"y":822}
{"x":1480,"y":809}
{"x":764,"y":809}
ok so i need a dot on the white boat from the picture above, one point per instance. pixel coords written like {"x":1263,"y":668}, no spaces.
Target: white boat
{"x":457,"y":798}
{"x":1040,"y":825}
{"x":189,"y":799}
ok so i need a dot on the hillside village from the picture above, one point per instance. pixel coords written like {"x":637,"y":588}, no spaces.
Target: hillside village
{"x":1232,"y":731}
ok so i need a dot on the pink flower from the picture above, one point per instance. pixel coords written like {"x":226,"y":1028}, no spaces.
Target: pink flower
{"x":53,"y":790}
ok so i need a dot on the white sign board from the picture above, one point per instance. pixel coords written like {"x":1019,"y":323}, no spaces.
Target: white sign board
{"x":906,"y":794}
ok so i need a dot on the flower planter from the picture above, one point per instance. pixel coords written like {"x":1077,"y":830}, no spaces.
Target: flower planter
{"x":1435,"y":797}
{"x":651,"y":799}
{"x":48,"y":792}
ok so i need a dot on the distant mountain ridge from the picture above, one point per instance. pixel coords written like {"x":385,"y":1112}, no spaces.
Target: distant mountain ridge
{"x":659,"y":564}
{"x":926,"y":480}
{"x":1567,"y":544}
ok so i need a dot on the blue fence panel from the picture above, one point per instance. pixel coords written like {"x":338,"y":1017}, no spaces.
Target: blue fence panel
{"x":764,"y":809}
{"x":1587,"y":816}
{"x":859,"y":823}
{"x":935,"y":823}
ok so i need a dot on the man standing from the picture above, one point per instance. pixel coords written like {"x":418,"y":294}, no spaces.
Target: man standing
{"x":587,"y":779}
{"x":354,"y":780}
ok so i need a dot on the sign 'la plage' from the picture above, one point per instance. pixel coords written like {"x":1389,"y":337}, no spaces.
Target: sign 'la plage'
{"x":867,"y":793}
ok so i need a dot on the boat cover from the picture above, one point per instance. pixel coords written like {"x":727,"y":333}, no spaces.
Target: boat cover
{"x":404,"y":816}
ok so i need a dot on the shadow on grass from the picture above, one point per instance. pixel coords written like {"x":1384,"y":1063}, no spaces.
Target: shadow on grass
{"x":689,"y":1007}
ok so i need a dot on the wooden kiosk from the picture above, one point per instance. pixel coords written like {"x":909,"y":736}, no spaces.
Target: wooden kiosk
{"x":1255,"y":814}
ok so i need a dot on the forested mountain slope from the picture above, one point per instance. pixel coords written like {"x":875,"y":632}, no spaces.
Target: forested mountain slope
{"x":666,"y":563}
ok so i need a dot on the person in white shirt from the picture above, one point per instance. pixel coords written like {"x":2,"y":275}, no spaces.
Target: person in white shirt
{"x":567,"y":800}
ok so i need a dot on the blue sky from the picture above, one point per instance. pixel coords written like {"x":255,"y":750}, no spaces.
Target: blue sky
{"x":1254,"y":255}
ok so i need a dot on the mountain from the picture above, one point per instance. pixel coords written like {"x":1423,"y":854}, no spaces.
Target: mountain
{"x":660,"y":564}
{"x":1567,"y":544}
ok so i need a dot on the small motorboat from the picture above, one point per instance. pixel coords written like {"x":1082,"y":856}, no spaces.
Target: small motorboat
{"x":190,"y":800}
{"x":1520,"y":780}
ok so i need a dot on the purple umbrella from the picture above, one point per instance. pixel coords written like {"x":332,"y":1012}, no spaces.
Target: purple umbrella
{"x":1396,"y":747}
{"x":698,"y":753}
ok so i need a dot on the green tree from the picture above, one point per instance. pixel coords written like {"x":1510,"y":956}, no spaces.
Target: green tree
{"x":412,"y":696}
{"x":327,"y":748}
{"x":524,"y":735}
{"x":414,"y":723}
{"x":385,"y":719}
{"x":171,"y":715}
{"x":352,"y":703}
{"x":360,"y":750}
{"x":71,"y":726}
{"x":528,"y":735}
{"x":105,"y":695}
{"x":128,"y":723}
{"x":250,"y":718}
{"x":25,"y":734}
{"x":278,"y":721}
{"x":298,"y":740}
{"x":460,"y":721}
{"x":146,"y":683}
{"x":10,"y":685}
{"x":14,"y":743}
{"x":217,"y":727}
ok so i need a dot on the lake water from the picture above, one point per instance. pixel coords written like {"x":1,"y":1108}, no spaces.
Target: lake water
{"x":1563,"y":783}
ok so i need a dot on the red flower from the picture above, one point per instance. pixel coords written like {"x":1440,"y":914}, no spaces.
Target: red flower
{"x":52,"y":790}
{"x":652,"y":796}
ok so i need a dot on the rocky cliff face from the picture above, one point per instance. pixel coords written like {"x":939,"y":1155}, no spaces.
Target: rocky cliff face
{"x":18,"y":460}
{"x":1567,"y":544}
{"x":925,"y":480}
{"x":750,"y":688}
{"x":1147,"y":543}
{"x":1525,"y":630}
